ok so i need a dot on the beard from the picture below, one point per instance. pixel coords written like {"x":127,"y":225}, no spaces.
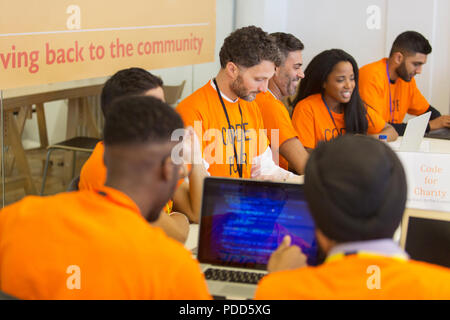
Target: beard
{"x":237,"y":86}
{"x":403,"y":73}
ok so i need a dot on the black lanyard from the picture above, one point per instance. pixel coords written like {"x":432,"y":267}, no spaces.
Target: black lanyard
{"x":239,"y":166}
{"x":390,"y":98}
{"x":331,"y":116}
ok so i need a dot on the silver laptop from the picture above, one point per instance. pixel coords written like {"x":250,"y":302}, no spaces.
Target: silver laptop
{"x":414,"y":132}
{"x":242,"y":223}
{"x":425,"y":236}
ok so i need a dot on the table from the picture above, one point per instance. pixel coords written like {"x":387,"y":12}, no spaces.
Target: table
{"x":22,"y":101}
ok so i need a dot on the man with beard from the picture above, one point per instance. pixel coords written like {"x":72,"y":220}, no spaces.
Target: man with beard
{"x":99,"y":243}
{"x":388,"y":85}
{"x":284,"y":140}
{"x":227,"y":121}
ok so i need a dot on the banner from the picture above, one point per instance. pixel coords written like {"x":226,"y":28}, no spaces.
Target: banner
{"x":49,"y":41}
{"x":428,"y":177}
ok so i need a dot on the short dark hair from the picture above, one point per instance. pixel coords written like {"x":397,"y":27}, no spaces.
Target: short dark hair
{"x":248,"y":47}
{"x":410,"y":42}
{"x":316,"y":74}
{"x":150,"y":120}
{"x":131,"y":81}
{"x":286,"y":43}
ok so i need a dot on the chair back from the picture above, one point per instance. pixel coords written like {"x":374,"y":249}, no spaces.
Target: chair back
{"x":172,"y":94}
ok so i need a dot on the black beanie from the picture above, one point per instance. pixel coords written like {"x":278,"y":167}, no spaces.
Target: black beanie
{"x":356,"y":188}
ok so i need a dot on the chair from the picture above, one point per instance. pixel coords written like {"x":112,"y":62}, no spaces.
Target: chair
{"x":172,"y":94}
{"x":77,"y":144}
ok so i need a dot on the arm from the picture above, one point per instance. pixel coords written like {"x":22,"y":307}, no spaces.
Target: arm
{"x":437,"y":121}
{"x":188,"y":196}
{"x":263,"y":167}
{"x":389,"y":131}
{"x":295,"y":154}
{"x":286,"y":257}
{"x":175,"y":225}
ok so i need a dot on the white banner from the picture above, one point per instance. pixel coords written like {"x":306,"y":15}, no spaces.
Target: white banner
{"x":428,"y":178}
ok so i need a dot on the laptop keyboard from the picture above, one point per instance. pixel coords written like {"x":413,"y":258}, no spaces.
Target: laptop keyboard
{"x":233,"y":276}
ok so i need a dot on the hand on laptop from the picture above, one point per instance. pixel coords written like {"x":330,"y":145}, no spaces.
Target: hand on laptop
{"x":286,"y":257}
{"x":440,"y":122}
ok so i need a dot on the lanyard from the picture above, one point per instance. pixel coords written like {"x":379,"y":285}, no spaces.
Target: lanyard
{"x":390,"y":99}
{"x":239,"y":166}
{"x":331,"y":116}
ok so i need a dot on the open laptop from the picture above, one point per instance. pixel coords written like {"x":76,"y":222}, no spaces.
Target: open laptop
{"x":413,"y":135}
{"x":443,"y":133}
{"x":425,"y":236}
{"x":242,"y":223}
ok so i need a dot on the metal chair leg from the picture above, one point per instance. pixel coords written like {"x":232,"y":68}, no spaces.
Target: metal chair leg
{"x":44,"y":178}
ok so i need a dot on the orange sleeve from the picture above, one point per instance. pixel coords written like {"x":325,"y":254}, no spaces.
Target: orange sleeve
{"x":93,"y":172}
{"x":372,"y":91}
{"x":303,"y":122}
{"x":275,"y":117}
{"x":418,"y":104}
{"x":375,"y":121}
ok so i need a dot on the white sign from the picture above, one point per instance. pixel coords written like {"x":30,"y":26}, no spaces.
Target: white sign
{"x":428,"y":178}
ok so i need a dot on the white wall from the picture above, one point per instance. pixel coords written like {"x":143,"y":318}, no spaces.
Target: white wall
{"x":326,"y":24}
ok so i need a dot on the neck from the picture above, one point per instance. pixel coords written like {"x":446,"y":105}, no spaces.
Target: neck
{"x":134,"y":191}
{"x":224,"y":84}
{"x":334,"y":105}
{"x":275,"y":89}
{"x":392,"y":72}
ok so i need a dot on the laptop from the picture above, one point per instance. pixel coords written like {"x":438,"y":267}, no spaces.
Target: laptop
{"x":242,"y":223}
{"x":442,"y":133}
{"x":425,"y":236}
{"x":413,"y":135}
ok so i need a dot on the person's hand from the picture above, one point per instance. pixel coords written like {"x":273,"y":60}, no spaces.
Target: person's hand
{"x":440,"y":122}
{"x":286,"y":257}
{"x":192,"y":153}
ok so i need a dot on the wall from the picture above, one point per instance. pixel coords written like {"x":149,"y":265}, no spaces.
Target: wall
{"x":351,"y":25}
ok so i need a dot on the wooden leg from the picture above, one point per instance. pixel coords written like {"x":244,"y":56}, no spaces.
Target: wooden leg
{"x":42,"y":125}
{"x":19,"y":153}
{"x":73,"y":120}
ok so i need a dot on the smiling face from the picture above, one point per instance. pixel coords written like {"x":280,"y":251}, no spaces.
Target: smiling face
{"x":249,"y":82}
{"x":410,"y":66}
{"x":340,"y":83}
{"x":288,"y":75}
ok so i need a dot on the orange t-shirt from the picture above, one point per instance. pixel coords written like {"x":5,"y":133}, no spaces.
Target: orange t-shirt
{"x":93,"y":173}
{"x":374,"y":89}
{"x":203,"y":111}
{"x":350,"y":278}
{"x":91,"y":245}
{"x":313,"y":122}
{"x":276,"y":117}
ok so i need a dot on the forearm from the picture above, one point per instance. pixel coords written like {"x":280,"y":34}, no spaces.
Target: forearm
{"x":296,"y":155}
{"x":175,"y":225}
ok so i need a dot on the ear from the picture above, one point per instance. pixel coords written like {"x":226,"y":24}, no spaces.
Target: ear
{"x":398,"y":57}
{"x":167,"y":168}
{"x":232,"y":70}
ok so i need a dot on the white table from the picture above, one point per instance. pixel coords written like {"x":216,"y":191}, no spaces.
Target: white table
{"x":428,"y":145}
{"x":192,"y":240}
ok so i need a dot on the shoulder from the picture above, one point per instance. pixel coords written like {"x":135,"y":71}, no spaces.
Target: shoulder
{"x":374,"y":70}
{"x":196,"y":99}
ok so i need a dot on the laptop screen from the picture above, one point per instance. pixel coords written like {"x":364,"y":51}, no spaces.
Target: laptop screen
{"x":244,"y":221}
{"x":426,"y":236}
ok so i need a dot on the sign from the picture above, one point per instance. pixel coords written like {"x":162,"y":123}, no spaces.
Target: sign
{"x":49,"y":41}
{"x":428,"y":178}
